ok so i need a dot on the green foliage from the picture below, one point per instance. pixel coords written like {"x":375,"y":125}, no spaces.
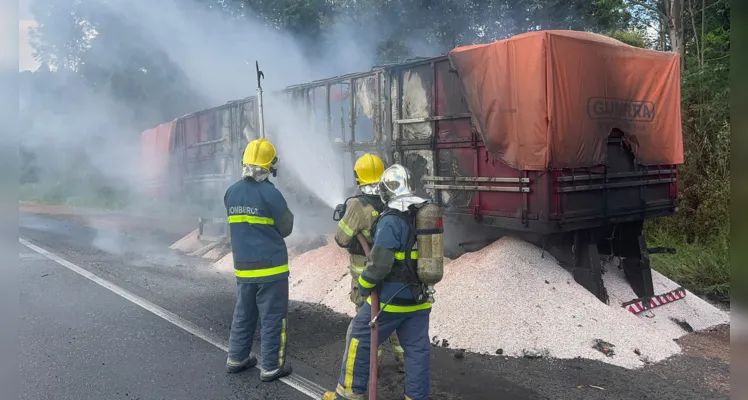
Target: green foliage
{"x":702,"y":225}
{"x":60,"y":193}
{"x":634,"y":38}
{"x":701,"y":267}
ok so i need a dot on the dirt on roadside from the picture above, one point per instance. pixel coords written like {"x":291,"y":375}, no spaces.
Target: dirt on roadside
{"x":710,"y":350}
{"x":712,"y":343}
{"x":52,"y":209}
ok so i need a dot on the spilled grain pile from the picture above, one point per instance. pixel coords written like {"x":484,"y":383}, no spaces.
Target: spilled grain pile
{"x":317,"y":272}
{"x":510,"y":298}
{"x":673,"y":319}
{"x":188,"y":243}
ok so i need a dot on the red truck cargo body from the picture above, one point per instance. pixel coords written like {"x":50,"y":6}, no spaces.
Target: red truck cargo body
{"x":558,"y":134}
{"x":156,"y":148}
{"x":541,"y":184}
{"x":556,"y":160}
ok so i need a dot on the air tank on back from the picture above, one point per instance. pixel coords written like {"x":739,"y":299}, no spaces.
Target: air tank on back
{"x":430,"y":242}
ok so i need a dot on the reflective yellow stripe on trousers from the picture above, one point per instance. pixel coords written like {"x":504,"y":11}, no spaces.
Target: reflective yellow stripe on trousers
{"x":349,"y":365}
{"x":400,"y":255}
{"x":282,"y":350}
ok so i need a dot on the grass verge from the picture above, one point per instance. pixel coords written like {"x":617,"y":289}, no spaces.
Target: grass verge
{"x":59,"y":195}
{"x":703,"y":267}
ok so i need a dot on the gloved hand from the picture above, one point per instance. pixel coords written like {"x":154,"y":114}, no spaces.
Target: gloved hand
{"x":337,"y":215}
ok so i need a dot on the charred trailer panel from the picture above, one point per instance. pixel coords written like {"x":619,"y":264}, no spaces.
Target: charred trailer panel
{"x":209,"y":147}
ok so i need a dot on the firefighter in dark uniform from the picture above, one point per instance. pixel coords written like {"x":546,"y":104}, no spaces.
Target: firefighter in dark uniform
{"x":404,"y":308}
{"x":360,"y":213}
{"x":259,"y":220}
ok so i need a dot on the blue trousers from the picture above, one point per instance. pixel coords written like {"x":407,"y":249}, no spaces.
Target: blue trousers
{"x":413,"y":331}
{"x":268,"y":304}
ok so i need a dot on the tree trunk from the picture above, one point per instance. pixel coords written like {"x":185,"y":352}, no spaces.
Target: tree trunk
{"x":675,"y":28}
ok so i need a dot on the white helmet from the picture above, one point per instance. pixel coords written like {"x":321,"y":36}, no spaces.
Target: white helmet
{"x":396,"y":182}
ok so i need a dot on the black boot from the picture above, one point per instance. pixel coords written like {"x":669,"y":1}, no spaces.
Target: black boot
{"x":269,"y":376}
{"x":233,"y":367}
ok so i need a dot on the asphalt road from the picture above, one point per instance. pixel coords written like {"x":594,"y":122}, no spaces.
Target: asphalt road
{"x":80,"y":340}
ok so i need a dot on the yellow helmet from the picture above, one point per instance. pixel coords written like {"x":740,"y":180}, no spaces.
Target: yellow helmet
{"x":368,"y":169}
{"x":260,"y":152}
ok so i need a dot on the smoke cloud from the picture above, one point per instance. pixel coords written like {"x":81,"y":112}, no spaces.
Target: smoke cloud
{"x":89,"y":145}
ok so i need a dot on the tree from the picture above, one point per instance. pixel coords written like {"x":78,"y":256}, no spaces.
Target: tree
{"x":633,"y":37}
{"x":674,"y":14}
{"x":60,"y":38}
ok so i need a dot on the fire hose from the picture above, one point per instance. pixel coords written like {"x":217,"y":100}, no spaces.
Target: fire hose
{"x":373,"y":324}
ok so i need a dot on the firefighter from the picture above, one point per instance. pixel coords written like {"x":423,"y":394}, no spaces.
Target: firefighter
{"x":390,"y":269}
{"x":360,"y":213}
{"x":259,"y":220}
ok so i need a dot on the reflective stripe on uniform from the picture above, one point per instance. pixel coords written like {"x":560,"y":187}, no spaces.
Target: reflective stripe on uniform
{"x":250,"y":219}
{"x":401,"y":309}
{"x":260,"y":273}
{"x":400,"y":255}
{"x":347,"y":229}
{"x":349,"y":364}
{"x":234,"y":363}
{"x":364,"y":283}
{"x":282,"y":350}
{"x":357,"y":269}
{"x":340,"y":391}
{"x":398,"y":349}
{"x":366,"y":233}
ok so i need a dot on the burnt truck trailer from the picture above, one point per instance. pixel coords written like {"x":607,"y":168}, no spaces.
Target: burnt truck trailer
{"x":568,"y":139}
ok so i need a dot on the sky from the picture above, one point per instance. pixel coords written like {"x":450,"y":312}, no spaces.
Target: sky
{"x":25,"y":21}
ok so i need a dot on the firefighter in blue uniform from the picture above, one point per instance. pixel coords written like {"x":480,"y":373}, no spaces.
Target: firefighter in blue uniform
{"x":359,"y":216}
{"x":390,"y":269}
{"x":259,"y":220}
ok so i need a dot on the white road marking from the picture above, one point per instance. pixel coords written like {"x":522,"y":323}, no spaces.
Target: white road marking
{"x":31,"y":256}
{"x":295,"y":381}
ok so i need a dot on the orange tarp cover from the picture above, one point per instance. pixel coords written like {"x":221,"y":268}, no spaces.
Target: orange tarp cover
{"x":156,"y":144}
{"x":549,"y":99}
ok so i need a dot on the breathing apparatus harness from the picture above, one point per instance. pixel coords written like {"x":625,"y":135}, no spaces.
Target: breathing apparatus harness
{"x":408,"y":274}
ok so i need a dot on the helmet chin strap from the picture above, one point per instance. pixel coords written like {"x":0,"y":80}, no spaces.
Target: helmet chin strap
{"x":274,"y":167}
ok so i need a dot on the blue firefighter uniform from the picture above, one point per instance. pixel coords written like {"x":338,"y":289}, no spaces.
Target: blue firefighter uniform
{"x":259,"y":220}
{"x":404,"y":314}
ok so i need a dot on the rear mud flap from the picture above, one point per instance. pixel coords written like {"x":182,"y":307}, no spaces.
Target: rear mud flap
{"x":588,"y":272}
{"x":578,"y":253}
{"x":630,"y":244}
